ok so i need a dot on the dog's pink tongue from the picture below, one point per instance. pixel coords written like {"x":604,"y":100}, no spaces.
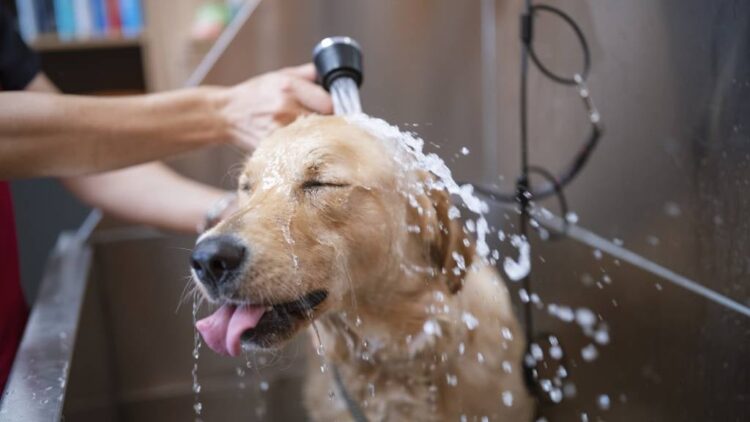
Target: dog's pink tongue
{"x":222,"y":330}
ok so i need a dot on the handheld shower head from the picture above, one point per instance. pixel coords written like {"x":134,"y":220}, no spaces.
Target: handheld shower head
{"x":335,"y":57}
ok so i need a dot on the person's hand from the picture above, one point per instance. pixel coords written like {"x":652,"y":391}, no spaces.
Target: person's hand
{"x":258,"y":106}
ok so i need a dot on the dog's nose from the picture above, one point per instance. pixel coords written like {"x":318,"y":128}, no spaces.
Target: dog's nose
{"x":215,"y":258}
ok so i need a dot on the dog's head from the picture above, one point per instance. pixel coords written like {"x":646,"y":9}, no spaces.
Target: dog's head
{"x":327,"y":220}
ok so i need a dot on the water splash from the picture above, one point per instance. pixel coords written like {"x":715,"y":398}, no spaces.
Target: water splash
{"x":320,"y":349}
{"x":409,"y":153}
{"x":517,"y":270}
{"x":197,"y":405}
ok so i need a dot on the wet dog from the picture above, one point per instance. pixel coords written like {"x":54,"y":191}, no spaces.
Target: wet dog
{"x":333,"y":233}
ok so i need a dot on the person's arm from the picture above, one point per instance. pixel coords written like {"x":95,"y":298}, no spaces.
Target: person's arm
{"x":46,"y":134}
{"x":151,"y":194}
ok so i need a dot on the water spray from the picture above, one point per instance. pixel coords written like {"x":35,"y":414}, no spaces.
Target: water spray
{"x":338,"y":61}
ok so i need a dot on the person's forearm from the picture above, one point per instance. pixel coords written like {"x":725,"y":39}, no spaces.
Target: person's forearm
{"x":151,"y":194}
{"x":62,"y":135}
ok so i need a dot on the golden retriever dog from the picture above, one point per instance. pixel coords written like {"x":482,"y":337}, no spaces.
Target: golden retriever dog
{"x":333,"y":234}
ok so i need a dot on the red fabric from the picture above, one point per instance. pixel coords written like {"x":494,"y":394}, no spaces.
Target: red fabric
{"x":13,"y":309}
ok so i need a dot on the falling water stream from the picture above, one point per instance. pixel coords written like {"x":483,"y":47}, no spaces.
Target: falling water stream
{"x":197,"y":405}
{"x":345,"y":95}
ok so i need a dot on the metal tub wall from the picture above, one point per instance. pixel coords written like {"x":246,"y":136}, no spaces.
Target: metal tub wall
{"x":133,"y":358}
{"x":670,"y":179}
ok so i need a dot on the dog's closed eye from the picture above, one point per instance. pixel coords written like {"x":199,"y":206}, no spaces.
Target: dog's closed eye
{"x":310,"y":185}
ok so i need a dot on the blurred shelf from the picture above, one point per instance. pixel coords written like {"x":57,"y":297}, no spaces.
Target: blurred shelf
{"x":50,"y":42}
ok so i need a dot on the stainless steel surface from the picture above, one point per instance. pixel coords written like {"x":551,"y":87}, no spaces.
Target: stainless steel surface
{"x":37,"y":385}
{"x":133,"y":357}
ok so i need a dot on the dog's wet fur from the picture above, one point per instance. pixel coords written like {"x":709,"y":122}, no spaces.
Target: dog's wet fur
{"x":322,"y":208}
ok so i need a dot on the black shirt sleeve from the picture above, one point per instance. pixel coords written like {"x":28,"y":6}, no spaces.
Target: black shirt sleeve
{"x":18,"y":64}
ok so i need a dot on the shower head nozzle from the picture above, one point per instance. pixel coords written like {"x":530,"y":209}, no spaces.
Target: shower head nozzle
{"x":335,"y":57}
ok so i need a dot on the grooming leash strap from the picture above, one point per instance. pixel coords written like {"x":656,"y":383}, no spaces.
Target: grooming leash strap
{"x":354,"y":409}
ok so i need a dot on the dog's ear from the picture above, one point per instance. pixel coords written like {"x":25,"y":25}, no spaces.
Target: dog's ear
{"x":449,"y":247}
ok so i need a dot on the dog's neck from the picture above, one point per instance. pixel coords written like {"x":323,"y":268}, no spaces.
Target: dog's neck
{"x":405,"y":324}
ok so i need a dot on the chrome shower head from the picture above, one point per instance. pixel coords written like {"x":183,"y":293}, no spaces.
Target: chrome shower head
{"x":336,"y":57}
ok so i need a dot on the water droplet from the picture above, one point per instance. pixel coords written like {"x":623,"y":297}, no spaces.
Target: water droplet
{"x":562,"y":312}
{"x":451,"y":379}
{"x":524,"y":295}
{"x":672,"y":209}
{"x":469,"y":320}
{"x":198,"y":407}
{"x":432,"y":328}
{"x":601,"y":336}
{"x":652,"y":240}
{"x":263,"y":386}
{"x":570,"y":390}
{"x":585,"y":317}
{"x":536,"y":352}
{"x":556,"y":395}
{"x":589,"y":353}
{"x":506,"y":333}
{"x":461,"y":348}
{"x":597,"y":254}
{"x":603,"y":402}
{"x":508,"y":398}
{"x":556,"y":352}
{"x":516,"y":270}
{"x":507,"y":367}
{"x":571,"y":217}
{"x":465,"y":151}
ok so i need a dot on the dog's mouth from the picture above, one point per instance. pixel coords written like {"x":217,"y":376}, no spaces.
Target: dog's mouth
{"x":233,"y":327}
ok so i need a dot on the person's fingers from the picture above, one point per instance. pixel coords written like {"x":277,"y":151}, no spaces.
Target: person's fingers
{"x":312,"y":96}
{"x":305,"y":71}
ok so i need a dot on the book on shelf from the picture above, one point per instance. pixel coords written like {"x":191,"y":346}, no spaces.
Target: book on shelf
{"x":45,"y":16}
{"x":65,"y":19}
{"x":84,"y":22}
{"x":27,"y":19}
{"x":98,"y":16}
{"x":79,"y":19}
{"x":131,"y":17}
{"x":114,"y":24}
